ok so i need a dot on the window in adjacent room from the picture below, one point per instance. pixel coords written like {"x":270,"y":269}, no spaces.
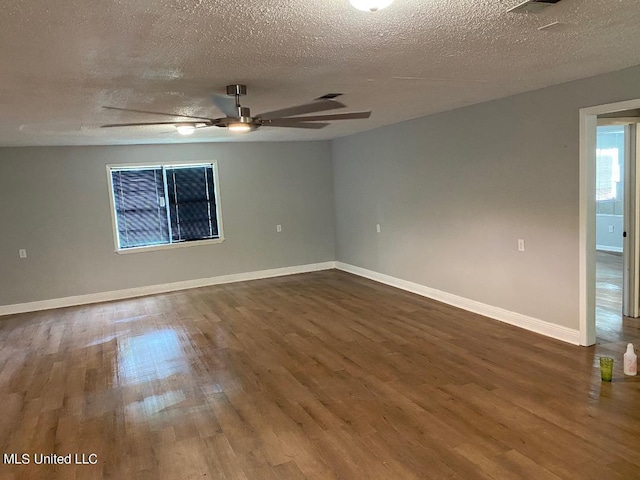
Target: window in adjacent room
{"x":164,"y":205}
{"x":610,"y":170}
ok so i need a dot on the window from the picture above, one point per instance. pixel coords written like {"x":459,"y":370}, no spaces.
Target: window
{"x":607,"y":174}
{"x":164,"y":205}
{"x":610,"y":153}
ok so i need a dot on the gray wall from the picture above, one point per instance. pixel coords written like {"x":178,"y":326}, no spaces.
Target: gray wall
{"x":55,"y":203}
{"x":453,"y":192}
{"x":606,"y":240}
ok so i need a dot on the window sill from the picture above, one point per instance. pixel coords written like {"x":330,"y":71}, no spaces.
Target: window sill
{"x":151,"y":248}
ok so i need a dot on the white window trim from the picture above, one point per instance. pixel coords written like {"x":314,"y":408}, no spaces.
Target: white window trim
{"x":149,"y":248}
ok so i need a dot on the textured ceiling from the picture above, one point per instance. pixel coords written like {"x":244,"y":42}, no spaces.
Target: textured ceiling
{"x":61,"y":60}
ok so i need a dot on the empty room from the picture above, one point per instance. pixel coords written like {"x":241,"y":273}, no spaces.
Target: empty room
{"x":341,"y":239}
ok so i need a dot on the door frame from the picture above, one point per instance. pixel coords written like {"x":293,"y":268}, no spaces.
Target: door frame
{"x":630,"y":240}
{"x":587,"y":215}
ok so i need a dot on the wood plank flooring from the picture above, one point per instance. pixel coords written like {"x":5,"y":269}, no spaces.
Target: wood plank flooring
{"x":316,"y":376}
{"x":611,"y":326}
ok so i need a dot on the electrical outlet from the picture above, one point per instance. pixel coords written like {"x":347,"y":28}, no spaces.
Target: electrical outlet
{"x":521,"y":245}
{"x":23,"y":253}
{"x":610,"y":228}
{"x":378,"y":227}
{"x":278,"y":228}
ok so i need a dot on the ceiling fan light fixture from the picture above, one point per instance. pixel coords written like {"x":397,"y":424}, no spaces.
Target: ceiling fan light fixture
{"x":239,"y":127}
{"x":186,"y":129}
{"x":370,"y":5}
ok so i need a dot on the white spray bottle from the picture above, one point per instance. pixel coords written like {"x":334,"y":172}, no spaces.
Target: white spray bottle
{"x":630,"y":361}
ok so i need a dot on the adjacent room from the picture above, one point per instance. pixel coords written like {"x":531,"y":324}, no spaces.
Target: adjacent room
{"x":347,"y":239}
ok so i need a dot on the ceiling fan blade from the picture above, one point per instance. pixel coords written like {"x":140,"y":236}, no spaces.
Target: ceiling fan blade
{"x":156,"y":113}
{"x":335,"y":116}
{"x":139,"y":124}
{"x":226,"y":105}
{"x":289,"y":123}
{"x":317,"y":106}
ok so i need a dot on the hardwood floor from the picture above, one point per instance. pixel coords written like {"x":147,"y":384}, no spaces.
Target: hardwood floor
{"x":611,"y":326}
{"x":316,"y":376}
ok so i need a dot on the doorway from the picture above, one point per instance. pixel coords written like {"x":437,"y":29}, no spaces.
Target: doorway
{"x":614,"y":209}
{"x":603,"y":200}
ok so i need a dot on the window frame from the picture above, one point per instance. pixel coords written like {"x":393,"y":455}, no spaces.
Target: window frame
{"x":168,"y":163}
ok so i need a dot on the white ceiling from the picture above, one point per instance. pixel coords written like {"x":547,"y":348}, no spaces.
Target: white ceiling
{"x":61,"y":60}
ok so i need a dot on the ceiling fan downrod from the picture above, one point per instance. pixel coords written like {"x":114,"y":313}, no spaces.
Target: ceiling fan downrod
{"x":237,"y":91}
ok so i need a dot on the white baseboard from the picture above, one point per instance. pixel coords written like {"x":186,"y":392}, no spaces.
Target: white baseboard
{"x":607,"y":248}
{"x":529,"y":323}
{"x":155,"y":289}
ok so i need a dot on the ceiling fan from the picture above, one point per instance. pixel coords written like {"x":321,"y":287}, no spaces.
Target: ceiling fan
{"x":239,"y":119}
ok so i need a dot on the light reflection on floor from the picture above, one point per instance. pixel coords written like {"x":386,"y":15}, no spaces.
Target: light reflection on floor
{"x":155,"y":355}
{"x":150,"y":406}
{"x":150,"y":368}
{"x":102,"y":340}
{"x":131,"y":319}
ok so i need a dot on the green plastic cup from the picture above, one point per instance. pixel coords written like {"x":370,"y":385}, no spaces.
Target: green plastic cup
{"x":606,"y":368}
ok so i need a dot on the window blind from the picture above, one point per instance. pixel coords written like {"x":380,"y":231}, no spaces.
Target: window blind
{"x":192,"y":204}
{"x":164,"y":204}
{"x":138,"y":197}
